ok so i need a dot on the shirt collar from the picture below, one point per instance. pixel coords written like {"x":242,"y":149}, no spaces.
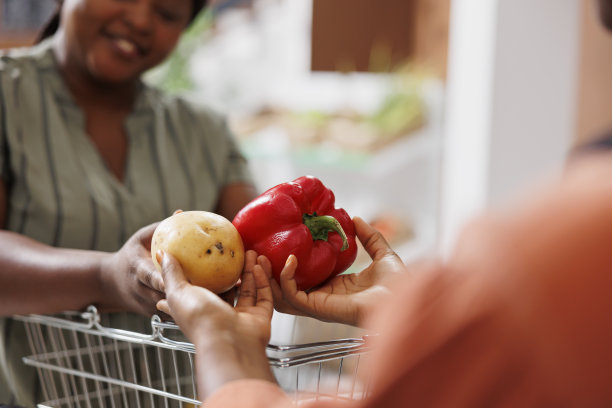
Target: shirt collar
{"x":48,"y":63}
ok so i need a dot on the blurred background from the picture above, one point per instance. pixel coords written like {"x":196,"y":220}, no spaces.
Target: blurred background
{"x":417,"y":113}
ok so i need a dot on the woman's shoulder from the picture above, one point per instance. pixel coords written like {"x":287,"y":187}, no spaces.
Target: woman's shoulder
{"x":38,"y":55}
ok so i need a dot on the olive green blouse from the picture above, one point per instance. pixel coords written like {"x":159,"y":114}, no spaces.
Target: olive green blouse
{"x":60,"y":191}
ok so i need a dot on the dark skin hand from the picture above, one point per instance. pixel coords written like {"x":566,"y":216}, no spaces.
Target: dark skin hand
{"x":345,"y":298}
{"x":37,"y":278}
{"x":231,"y":339}
{"x":131,"y":276}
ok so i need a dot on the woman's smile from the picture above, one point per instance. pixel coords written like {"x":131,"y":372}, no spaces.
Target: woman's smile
{"x":125,"y":47}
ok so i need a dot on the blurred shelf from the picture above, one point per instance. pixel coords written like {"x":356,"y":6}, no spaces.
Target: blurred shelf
{"x":269,"y":145}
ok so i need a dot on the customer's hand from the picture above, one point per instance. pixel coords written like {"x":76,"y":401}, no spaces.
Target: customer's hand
{"x":230,"y":341}
{"x":345,"y":298}
{"x":129,"y":280}
{"x":195,"y":308}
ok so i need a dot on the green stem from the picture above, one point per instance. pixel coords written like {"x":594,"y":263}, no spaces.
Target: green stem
{"x":321,"y":225}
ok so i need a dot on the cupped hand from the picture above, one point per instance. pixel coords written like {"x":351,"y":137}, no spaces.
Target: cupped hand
{"x":129,"y":279}
{"x":345,"y":298}
{"x":197,"y":309}
{"x":230,"y":342}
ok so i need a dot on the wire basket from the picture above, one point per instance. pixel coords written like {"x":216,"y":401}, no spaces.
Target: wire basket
{"x":82,"y":363}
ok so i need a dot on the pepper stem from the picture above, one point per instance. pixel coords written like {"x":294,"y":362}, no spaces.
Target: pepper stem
{"x":321,"y":225}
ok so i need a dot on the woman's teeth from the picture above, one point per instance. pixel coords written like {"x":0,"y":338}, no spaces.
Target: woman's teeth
{"x":126,"y":46}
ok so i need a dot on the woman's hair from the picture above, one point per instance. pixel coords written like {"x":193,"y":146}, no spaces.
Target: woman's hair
{"x":53,"y":23}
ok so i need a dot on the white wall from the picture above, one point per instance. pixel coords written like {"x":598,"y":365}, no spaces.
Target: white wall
{"x":510,"y":110}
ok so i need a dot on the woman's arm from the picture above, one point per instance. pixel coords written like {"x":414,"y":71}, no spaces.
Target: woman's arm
{"x":37,"y":278}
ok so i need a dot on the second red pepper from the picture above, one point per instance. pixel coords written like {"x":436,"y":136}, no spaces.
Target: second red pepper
{"x":299,"y":218}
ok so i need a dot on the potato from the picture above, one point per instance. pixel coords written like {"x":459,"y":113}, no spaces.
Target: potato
{"x":207,"y":245}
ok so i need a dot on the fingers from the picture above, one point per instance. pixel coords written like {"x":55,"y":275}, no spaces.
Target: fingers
{"x":229,"y":297}
{"x":248,"y":291}
{"x":147,"y":231}
{"x":150,"y":276}
{"x":374,"y":243}
{"x":271,"y":288}
{"x":177,"y":211}
{"x":172,"y":273}
{"x":144,"y":236}
{"x":264,"y":299}
{"x":146,"y":271}
{"x":277,"y":294}
{"x":250,"y":259}
{"x":163,"y":310}
{"x":163,"y":306}
{"x":144,"y":300}
{"x":265,"y":263}
{"x":289,"y":285}
{"x":288,"y":273}
{"x":255,"y":289}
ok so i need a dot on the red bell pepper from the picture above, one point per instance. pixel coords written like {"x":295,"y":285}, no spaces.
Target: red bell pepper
{"x":299,"y":218}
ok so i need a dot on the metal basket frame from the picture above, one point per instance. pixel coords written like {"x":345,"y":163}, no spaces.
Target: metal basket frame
{"x":64,"y":363}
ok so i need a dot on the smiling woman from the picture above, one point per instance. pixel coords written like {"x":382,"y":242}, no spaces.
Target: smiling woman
{"x":115,"y":42}
{"x":90,"y":158}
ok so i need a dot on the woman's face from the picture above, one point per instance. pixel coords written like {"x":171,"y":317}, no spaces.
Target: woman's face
{"x":115,"y":41}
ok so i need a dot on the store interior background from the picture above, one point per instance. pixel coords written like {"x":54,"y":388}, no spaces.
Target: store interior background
{"x":417,"y":113}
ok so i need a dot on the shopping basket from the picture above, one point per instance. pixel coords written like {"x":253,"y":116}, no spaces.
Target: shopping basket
{"x":82,"y":362}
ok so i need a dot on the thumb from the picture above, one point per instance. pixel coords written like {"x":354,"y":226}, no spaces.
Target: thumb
{"x":145,"y":234}
{"x":171,"y":270}
{"x":287,"y":278}
{"x":372,"y":240}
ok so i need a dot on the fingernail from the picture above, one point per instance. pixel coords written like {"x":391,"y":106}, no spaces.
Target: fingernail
{"x":290,"y":272}
{"x":289,"y":260}
{"x":159,"y":255}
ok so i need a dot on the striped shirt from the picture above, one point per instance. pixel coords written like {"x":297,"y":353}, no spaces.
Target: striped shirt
{"x":60,"y":191}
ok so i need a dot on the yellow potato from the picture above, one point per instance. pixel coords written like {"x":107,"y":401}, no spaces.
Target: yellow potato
{"x":207,"y":245}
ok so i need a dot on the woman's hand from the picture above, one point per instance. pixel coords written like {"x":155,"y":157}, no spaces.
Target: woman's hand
{"x":230,"y":341}
{"x":129,"y":279}
{"x":345,"y":298}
